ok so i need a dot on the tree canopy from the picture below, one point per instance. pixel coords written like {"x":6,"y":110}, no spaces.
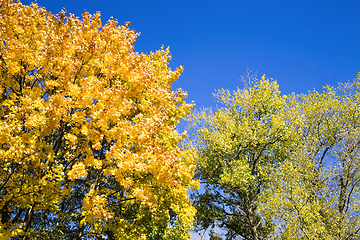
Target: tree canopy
{"x":237,"y":148}
{"x":88,"y":146}
{"x":316,"y":194}
{"x":278,"y":166}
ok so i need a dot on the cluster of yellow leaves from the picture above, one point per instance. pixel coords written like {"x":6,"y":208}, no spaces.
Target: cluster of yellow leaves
{"x":79,"y":106}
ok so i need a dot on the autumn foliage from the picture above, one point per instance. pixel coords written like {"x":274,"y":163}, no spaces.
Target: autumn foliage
{"x":88,"y":147}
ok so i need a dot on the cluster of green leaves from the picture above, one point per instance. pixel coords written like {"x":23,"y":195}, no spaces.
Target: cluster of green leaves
{"x":279,"y":167}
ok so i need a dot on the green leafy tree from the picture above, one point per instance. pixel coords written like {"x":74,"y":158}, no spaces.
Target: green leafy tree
{"x":237,"y":148}
{"x":279,"y":167}
{"x":317,"y":190}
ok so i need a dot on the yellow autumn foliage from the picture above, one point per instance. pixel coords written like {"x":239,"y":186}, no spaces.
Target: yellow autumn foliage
{"x":88,"y":146}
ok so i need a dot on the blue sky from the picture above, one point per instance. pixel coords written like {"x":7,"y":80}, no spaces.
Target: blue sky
{"x":302,"y":44}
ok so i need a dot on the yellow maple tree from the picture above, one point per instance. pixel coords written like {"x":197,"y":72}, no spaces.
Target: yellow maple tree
{"x":88,"y":141}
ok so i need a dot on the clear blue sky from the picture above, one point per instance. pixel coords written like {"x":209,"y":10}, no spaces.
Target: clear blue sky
{"x":302,"y":44}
